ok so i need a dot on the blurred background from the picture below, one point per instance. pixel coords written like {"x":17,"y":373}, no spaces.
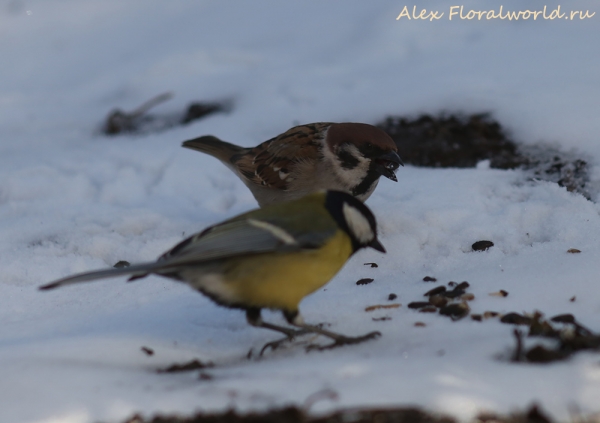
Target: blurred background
{"x":67,"y":63}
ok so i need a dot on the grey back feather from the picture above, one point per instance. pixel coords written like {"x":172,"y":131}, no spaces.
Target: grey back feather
{"x":230,"y":239}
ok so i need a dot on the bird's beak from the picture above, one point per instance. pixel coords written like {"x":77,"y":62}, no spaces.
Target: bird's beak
{"x":375,"y":244}
{"x":387,"y":164}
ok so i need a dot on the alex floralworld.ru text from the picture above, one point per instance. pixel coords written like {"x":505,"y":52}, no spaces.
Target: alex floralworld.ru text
{"x":459,"y":12}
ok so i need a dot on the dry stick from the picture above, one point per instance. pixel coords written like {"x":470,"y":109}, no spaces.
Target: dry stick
{"x":155,"y":101}
{"x":519,"y":348}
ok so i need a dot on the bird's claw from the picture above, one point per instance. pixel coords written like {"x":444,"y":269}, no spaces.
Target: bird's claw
{"x":344,"y":340}
{"x":276,"y":344}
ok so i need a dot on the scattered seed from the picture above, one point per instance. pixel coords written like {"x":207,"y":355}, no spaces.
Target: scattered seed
{"x":452,"y":284}
{"x":573,"y":298}
{"x":477,"y":317}
{"x":467,"y":297}
{"x":455,"y":311}
{"x":573,"y":251}
{"x":429,"y":309}
{"x":392,"y":297}
{"x":490,"y":314}
{"x":463,"y":285}
{"x":147,"y":351}
{"x":435,"y":291}
{"x":121,"y":263}
{"x":364,"y":281}
{"x":501,"y":293}
{"x":420,"y":324}
{"x":372,"y":264}
{"x":418,"y":304}
{"x":456,"y":292}
{"x":482,"y":245}
{"x":429,"y":279}
{"x":515,"y":319}
{"x":438,"y":301}
{"x":380,"y":306}
{"x":381,"y":319}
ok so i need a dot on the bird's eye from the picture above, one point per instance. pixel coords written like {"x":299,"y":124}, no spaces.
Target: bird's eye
{"x":369,"y":149}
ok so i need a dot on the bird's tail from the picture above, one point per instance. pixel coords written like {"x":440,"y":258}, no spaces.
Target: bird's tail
{"x":215,"y":147}
{"x":137,"y":271}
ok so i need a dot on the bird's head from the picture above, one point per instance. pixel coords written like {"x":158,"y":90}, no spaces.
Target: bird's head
{"x":362,"y":153}
{"x":355,"y":219}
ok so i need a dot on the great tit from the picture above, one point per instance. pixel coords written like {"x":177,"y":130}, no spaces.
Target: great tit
{"x":266,"y":258}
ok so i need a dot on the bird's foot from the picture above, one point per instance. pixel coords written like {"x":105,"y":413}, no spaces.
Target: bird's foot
{"x":276,"y":344}
{"x":341,"y":340}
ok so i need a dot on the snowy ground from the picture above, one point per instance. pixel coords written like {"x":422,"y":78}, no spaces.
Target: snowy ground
{"x":71,"y":200}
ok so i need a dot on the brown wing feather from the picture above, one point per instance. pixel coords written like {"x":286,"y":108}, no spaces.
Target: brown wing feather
{"x":271,"y":163}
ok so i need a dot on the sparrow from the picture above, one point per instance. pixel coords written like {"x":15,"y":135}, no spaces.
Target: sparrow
{"x":270,"y":257}
{"x":347,"y":157}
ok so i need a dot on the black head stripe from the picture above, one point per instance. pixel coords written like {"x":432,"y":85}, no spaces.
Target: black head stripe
{"x":370,"y":150}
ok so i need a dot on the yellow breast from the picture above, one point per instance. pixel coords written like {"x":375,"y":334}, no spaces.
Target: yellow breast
{"x":281,"y":280}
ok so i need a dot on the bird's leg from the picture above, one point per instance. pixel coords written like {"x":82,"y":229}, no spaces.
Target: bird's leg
{"x":254,"y":319}
{"x":338,"y":340}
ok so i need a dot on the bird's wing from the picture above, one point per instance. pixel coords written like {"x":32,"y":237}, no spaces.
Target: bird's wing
{"x":251,"y":235}
{"x":255,"y":232}
{"x":270,"y":163}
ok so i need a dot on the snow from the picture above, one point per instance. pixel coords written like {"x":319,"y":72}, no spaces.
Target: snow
{"x":72,"y":200}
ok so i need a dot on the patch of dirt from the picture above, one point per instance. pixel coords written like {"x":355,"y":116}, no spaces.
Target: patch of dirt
{"x":534,"y":414}
{"x":296,"y":415}
{"x":457,"y":140}
{"x":186,"y":367}
{"x":452,"y":140}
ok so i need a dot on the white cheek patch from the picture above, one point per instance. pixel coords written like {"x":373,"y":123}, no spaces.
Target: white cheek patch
{"x":358,"y":224}
{"x":349,"y":177}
